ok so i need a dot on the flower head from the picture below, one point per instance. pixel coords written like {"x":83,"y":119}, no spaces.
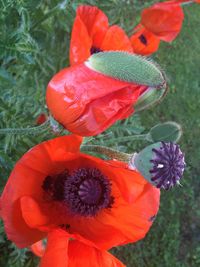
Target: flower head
{"x":164,"y":20}
{"x":161,"y":21}
{"x":91,"y":33}
{"x":143,"y":41}
{"x":87,"y":102}
{"x":54,"y":186}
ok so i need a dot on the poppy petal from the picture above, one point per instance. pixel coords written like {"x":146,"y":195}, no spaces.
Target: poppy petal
{"x":103,"y":112}
{"x":27,"y":178}
{"x":116,"y":39}
{"x":56,"y":250}
{"x":163,"y":19}
{"x":83,"y":255}
{"x":95,"y":21}
{"x":135,"y":218}
{"x":38,"y":248}
{"x":71,"y":92}
{"x":80,"y":43}
{"x":143,"y":41}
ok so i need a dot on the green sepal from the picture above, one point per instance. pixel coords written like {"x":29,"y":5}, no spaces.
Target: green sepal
{"x":127,"y":67}
{"x":149,"y":98}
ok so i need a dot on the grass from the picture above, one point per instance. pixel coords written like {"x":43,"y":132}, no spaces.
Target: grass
{"x":174,"y":238}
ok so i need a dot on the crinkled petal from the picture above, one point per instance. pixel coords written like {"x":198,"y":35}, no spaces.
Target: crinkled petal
{"x":100,"y":114}
{"x":72,"y":93}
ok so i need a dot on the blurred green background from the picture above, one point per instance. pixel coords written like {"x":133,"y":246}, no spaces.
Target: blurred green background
{"x":34,"y":44}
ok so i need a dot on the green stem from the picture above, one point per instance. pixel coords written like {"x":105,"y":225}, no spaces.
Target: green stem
{"x":127,"y":138}
{"x":27,"y":131}
{"x":109,"y":152}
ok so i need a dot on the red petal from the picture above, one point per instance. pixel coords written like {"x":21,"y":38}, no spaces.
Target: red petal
{"x":78,"y":97}
{"x":164,"y":20}
{"x":135,"y":219}
{"x":83,"y":255}
{"x":38,"y":248}
{"x":143,"y":41}
{"x":116,"y":39}
{"x":56,"y":253}
{"x":102,"y":113}
{"x":27,"y":178}
{"x":80,"y":43}
{"x":95,"y":21}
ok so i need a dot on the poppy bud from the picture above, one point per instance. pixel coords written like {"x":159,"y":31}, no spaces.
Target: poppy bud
{"x":162,"y":164}
{"x":169,"y":131}
{"x":127,"y":67}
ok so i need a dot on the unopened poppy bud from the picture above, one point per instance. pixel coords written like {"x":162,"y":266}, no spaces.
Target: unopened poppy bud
{"x":169,"y":131}
{"x":162,"y":164}
{"x":149,"y":98}
{"x":127,"y":67}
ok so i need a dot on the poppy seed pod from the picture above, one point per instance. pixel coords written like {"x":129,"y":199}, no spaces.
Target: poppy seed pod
{"x":162,"y":164}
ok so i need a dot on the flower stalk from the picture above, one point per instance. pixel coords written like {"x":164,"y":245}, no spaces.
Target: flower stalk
{"x":109,"y":152}
{"x":27,"y":131}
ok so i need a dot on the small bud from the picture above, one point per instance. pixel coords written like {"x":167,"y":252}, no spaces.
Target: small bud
{"x":162,"y":164}
{"x":168,"y":132}
{"x":127,"y":67}
{"x":149,"y":98}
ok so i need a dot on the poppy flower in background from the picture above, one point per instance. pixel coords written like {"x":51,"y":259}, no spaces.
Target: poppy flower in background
{"x":163,"y":19}
{"x":64,"y":252}
{"x":87,"y":102}
{"x":143,"y":41}
{"x":91,"y":34}
{"x":54,"y":186}
{"x":41,"y":119}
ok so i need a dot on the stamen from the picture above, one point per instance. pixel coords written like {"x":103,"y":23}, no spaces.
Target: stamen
{"x":143,"y":39}
{"x":95,"y":50}
{"x":86,"y":191}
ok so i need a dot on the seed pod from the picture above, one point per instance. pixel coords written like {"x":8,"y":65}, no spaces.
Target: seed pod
{"x":162,"y":164}
{"x":127,"y":67}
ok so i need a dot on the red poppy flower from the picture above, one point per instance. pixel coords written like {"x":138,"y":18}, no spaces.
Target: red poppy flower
{"x":91,"y":34}
{"x":163,"y":19}
{"x":63,"y":252}
{"x":54,"y":186}
{"x":86,"y":102}
{"x":143,"y":41}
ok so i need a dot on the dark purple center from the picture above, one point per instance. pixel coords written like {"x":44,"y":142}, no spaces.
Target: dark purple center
{"x":86,"y":191}
{"x":168,"y":165}
{"x":143,"y":39}
{"x":94,"y":50}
